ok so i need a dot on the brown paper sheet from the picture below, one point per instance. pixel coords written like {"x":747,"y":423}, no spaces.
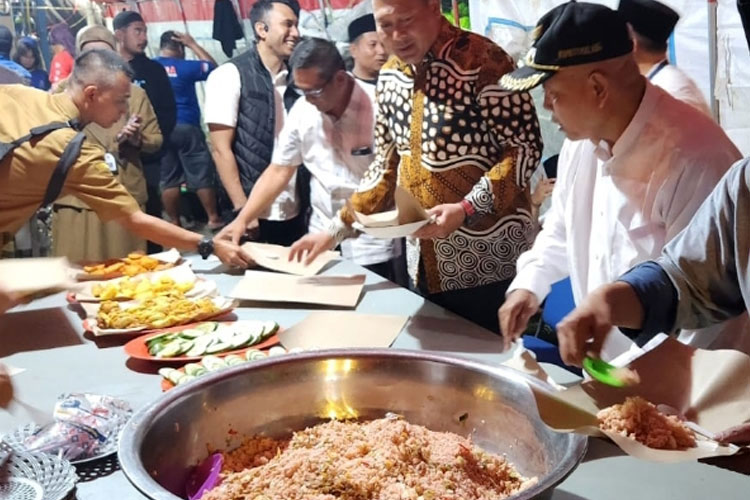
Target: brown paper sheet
{"x":276,"y":258}
{"x":708,"y":387}
{"x":408,"y":216}
{"x":340,"y":329}
{"x":342,"y":291}
{"x":31,"y":276}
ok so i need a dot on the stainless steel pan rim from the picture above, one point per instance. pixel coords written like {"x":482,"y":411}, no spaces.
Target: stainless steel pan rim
{"x":133,"y":434}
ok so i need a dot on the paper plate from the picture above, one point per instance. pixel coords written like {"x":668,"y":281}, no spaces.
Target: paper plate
{"x":390,"y":232}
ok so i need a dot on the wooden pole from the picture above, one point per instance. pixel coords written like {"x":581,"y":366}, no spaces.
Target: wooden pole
{"x":456,"y":19}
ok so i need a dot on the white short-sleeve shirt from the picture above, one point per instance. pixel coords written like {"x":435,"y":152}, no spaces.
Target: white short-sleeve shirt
{"x":337,"y":153}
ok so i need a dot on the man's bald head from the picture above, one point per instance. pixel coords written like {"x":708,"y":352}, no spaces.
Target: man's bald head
{"x":593,"y":101}
{"x":100,"y":86}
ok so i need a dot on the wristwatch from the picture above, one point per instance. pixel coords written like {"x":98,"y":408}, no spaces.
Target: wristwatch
{"x":205,"y":247}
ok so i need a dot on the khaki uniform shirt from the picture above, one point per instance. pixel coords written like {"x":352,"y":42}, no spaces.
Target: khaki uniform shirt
{"x":129,"y":167}
{"x":25,"y":173}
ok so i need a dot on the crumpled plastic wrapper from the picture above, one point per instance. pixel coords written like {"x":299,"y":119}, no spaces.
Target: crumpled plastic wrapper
{"x":84,"y":425}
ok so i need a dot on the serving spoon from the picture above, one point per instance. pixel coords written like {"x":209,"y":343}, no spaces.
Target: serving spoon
{"x":609,"y":374}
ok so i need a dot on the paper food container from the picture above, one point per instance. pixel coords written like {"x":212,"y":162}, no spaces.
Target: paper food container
{"x":707,"y":387}
{"x":32,"y":276}
{"x":341,"y":291}
{"x":276,"y":258}
{"x":407,"y":218}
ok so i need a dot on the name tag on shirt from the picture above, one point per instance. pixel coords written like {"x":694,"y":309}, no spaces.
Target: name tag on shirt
{"x":109,"y":159}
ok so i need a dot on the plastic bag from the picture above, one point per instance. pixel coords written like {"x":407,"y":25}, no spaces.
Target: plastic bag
{"x":84,"y":425}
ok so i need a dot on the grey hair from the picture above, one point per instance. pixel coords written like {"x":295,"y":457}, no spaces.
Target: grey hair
{"x":317,"y":53}
{"x":99,"y":67}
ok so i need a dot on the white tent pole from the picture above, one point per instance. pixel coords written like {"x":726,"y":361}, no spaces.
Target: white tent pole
{"x":713,"y":48}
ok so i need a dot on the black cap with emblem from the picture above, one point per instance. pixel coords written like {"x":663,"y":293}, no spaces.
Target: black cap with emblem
{"x":570,"y":34}
{"x":649,"y":18}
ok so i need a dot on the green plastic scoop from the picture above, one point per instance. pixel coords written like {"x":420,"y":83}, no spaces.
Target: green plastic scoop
{"x":608,"y":374}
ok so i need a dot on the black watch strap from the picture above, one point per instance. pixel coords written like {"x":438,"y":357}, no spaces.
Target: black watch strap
{"x":205,"y":247}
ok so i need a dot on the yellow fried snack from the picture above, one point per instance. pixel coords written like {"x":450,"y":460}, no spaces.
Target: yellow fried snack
{"x":132,"y":265}
{"x":141,"y":289}
{"x":159,"y":312}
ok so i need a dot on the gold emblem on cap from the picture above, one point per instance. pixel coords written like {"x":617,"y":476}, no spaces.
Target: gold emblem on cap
{"x":580,"y":51}
{"x":529,"y":61}
{"x":511,"y":83}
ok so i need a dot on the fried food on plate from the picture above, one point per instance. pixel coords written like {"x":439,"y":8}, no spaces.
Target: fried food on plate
{"x":141,"y":289}
{"x":159,"y":312}
{"x":132,"y":265}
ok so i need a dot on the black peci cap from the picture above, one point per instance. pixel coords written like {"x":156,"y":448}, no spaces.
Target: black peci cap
{"x":571,"y":34}
{"x":649,"y":18}
{"x":360,"y":26}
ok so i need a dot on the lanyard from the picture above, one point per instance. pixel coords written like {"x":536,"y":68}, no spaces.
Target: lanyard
{"x":656,"y":70}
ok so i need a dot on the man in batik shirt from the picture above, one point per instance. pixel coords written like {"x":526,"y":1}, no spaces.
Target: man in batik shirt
{"x":439,"y":101}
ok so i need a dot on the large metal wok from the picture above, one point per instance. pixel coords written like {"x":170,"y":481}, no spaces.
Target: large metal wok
{"x":279,"y":395}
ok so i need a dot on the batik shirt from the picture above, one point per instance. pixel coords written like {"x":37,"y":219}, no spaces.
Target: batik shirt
{"x":473,"y":141}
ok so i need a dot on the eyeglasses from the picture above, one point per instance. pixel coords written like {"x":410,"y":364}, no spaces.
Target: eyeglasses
{"x":316,"y":92}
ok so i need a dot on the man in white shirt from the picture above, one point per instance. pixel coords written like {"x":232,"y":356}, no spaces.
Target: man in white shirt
{"x":331,"y":131}
{"x":368,"y":52}
{"x":246,"y":102}
{"x":651,"y":24}
{"x":634,"y":168}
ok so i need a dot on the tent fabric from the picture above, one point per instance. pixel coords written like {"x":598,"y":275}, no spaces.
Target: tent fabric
{"x":510,"y":22}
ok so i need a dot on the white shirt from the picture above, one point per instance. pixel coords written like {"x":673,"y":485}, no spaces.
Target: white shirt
{"x":680,"y":86}
{"x":325,"y":146}
{"x":223,"y":90}
{"x":612,"y":209}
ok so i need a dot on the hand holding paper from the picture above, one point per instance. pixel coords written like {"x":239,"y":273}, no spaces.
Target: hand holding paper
{"x":408,"y":217}
{"x":444,"y":219}
{"x":24,"y":277}
{"x":310,"y":246}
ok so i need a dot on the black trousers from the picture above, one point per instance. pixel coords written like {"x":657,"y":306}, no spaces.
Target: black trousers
{"x":282,"y":232}
{"x":152,"y":172}
{"x":479,"y":304}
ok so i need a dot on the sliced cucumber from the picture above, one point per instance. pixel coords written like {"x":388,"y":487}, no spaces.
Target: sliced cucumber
{"x":277,"y":350}
{"x":251,"y":354}
{"x":154,"y":349}
{"x":269,"y":328}
{"x":234,"y":360}
{"x":167,"y":373}
{"x":195,"y":369}
{"x":158,"y":338}
{"x":241,"y":339}
{"x":208,"y":326}
{"x":170,"y":350}
{"x":218,"y":346}
{"x":199,"y":346}
{"x":191,"y":334}
{"x":213,"y":363}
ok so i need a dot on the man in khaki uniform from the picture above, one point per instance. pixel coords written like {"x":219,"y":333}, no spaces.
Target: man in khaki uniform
{"x":77,"y":232}
{"x":98,"y":92}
